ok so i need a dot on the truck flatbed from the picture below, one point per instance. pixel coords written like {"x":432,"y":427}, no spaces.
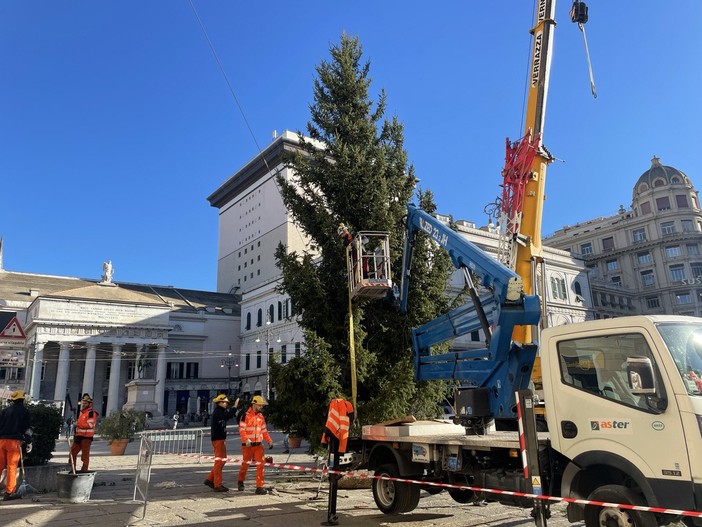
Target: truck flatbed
{"x":439,"y":432}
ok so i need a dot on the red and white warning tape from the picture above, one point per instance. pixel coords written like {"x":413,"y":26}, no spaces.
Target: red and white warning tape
{"x":642,"y":508}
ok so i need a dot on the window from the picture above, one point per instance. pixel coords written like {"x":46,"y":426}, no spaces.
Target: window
{"x":608,"y":244}
{"x":617,"y":281}
{"x":644,"y":258}
{"x":687,"y":225}
{"x":612,"y":265}
{"x":667,"y":227}
{"x":191,"y":370}
{"x":673,"y":251}
{"x":586,"y":248}
{"x":681,"y":201}
{"x":577,"y":288}
{"x":271,"y":313}
{"x":663,"y":203}
{"x":174,"y":370}
{"x":258,"y":359}
{"x":298,"y":349}
{"x":677,"y":272}
{"x":639,"y":235}
{"x":475,"y":336}
{"x":693,"y":249}
{"x":645,"y":208}
{"x":584,"y":367}
{"x":283,"y":354}
{"x":647,"y":278}
{"x":12,"y":374}
{"x":558,"y":288}
{"x":247,"y":363}
{"x":652,"y":302}
{"x":280,"y":310}
{"x":696,"y":269}
{"x":683,"y":297}
{"x":248,"y":320}
{"x":259,"y":318}
{"x":592,"y":270}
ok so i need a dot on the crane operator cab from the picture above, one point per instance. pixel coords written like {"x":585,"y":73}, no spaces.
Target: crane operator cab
{"x":367,"y":263}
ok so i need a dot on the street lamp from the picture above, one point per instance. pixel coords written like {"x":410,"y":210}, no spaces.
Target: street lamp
{"x":228,"y":362}
{"x":268,"y":358}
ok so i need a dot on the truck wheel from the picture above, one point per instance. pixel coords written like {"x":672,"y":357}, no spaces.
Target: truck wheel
{"x":613,"y":517}
{"x":394,"y":497}
{"x":462,"y":496}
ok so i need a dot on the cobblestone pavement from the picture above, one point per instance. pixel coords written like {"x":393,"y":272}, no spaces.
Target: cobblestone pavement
{"x":178,"y":497}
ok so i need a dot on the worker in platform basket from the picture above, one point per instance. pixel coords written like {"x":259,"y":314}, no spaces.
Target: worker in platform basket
{"x":85,"y":432}
{"x":14,"y":428}
{"x":220,"y":415}
{"x":253,"y":432}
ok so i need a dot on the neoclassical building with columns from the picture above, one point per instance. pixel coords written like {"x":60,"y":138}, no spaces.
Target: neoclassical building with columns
{"x":121,"y":343}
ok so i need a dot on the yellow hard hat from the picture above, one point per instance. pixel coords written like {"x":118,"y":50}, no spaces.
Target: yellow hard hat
{"x":221,"y":398}
{"x":17,"y":395}
{"x":257,"y":399}
{"x":86,"y":399}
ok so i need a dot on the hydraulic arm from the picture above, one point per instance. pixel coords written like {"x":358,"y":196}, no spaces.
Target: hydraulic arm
{"x":501,"y":367}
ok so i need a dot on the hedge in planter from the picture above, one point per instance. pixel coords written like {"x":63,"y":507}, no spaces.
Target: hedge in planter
{"x":46,"y":422}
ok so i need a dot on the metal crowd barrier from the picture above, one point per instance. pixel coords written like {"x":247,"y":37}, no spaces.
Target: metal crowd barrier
{"x":182,"y":441}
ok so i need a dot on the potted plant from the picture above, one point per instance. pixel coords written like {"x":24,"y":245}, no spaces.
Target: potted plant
{"x":120,"y":427}
{"x":294,"y":440}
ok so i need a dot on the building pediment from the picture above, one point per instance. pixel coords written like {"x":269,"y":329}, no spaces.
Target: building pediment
{"x":108,"y":293}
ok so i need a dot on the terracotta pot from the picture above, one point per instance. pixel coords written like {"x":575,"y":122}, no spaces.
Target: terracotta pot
{"x":294,"y":441}
{"x":118,"y":446}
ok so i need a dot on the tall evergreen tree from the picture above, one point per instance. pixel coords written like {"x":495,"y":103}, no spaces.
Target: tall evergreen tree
{"x":353,"y":171}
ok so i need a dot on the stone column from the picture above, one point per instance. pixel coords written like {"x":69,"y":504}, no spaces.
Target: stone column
{"x":160,"y":376}
{"x":62,"y":371}
{"x":89,"y":373}
{"x":35,"y":386}
{"x":113,"y":390}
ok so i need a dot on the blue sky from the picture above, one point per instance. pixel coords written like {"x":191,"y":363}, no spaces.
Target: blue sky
{"x":116,"y":123}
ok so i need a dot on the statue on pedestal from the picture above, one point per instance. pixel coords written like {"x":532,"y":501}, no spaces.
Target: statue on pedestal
{"x":107,"y":272}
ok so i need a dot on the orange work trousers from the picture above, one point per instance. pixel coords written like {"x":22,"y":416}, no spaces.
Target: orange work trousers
{"x":252,"y":453}
{"x":220,"y":450}
{"x":10,"y":458}
{"x":82,"y":445}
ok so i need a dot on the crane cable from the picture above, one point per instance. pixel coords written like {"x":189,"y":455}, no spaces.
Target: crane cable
{"x":579,"y":15}
{"x":589,"y":64}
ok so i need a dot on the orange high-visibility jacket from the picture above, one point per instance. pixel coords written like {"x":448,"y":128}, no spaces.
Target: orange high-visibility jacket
{"x":85,"y":426}
{"x":253,"y":427}
{"x":338,"y":422}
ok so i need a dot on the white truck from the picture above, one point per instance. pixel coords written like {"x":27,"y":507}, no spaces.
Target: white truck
{"x":624,"y":416}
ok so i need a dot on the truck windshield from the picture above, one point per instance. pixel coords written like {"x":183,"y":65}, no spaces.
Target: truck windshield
{"x":684,"y":342}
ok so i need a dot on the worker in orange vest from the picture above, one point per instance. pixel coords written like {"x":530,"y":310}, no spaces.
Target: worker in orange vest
{"x":14,"y":423}
{"x":253,"y":431}
{"x":85,"y":431}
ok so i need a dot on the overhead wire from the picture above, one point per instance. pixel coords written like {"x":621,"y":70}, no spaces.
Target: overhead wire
{"x":238,"y":104}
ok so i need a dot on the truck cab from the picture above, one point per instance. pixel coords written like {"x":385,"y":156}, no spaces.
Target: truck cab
{"x":624,"y":408}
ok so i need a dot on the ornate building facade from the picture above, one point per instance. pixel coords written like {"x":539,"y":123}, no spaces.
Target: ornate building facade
{"x":107,"y":339}
{"x":648,"y":258}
